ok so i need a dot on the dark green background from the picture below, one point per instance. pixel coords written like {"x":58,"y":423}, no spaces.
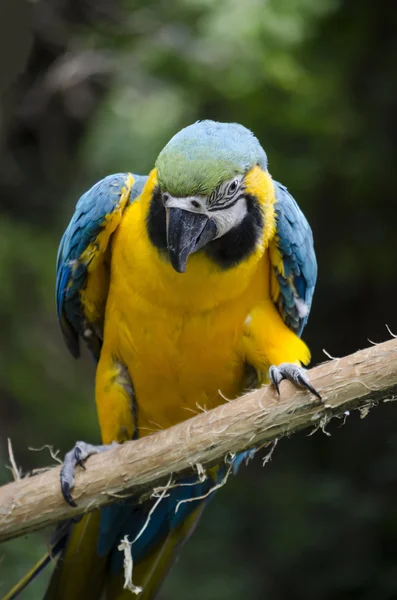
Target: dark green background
{"x":93,"y":87}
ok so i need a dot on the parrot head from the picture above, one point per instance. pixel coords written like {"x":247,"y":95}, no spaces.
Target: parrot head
{"x":202,"y":190}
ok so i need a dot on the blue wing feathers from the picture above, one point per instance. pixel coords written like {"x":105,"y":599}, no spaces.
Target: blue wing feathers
{"x":118,"y":520}
{"x":89,"y":218}
{"x":295,"y":244}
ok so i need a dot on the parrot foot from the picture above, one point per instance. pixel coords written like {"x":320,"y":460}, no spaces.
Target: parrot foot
{"x":79,"y":453}
{"x":293,"y":373}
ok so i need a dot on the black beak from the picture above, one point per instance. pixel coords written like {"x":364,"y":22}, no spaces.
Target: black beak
{"x":187,"y":232}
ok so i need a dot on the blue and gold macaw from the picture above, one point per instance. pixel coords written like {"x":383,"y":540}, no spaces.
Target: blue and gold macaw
{"x":188,"y":286}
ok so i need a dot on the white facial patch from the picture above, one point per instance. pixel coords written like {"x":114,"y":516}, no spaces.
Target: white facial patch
{"x":231,"y":210}
{"x":225,"y":218}
{"x":230,"y":217}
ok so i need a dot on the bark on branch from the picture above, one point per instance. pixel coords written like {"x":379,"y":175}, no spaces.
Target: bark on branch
{"x":256,"y":419}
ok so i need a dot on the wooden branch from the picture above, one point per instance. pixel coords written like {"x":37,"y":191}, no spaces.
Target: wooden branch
{"x":357,"y":381}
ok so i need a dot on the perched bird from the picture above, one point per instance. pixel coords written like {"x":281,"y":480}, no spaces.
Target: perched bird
{"x":188,"y":286}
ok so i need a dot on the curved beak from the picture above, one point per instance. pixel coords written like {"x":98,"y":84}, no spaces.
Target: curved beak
{"x":187,"y":232}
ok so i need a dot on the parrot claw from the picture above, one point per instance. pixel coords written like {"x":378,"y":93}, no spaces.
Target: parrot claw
{"x":76,"y":457}
{"x":293,"y":373}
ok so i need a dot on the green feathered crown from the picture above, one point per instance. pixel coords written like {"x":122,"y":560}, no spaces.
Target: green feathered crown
{"x":200,"y":157}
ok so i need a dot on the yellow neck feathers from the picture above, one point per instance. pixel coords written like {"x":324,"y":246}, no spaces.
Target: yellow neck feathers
{"x":259,"y":184}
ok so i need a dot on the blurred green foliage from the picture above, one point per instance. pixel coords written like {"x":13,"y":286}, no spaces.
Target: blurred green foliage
{"x":107,"y":84}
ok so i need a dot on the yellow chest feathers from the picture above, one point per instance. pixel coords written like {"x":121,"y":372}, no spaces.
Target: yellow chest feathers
{"x":179,"y":334}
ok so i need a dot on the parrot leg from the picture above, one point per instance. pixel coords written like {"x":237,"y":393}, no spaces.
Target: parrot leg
{"x":293,"y":373}
{"x":79,"y":453}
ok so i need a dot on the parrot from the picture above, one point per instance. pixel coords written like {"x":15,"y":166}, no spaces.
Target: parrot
{"x":190,"y":285}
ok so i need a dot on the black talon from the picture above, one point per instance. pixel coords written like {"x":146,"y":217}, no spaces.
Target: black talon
{"x":305,"y":383}
{"x":76,"y":457}
{"x":275,"y":381}
{"x":294,"y":374}
{"x":65,"y":487}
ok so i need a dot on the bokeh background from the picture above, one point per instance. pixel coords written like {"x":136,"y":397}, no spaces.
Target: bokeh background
{"x":90,"y":87}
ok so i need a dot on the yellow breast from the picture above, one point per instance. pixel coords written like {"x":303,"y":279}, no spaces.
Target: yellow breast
{"x":179,"y":334}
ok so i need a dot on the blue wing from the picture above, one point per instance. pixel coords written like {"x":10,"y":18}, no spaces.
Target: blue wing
{"x":82,"y":278}
{"x":157,"y":530}
{"x":294,"y":262}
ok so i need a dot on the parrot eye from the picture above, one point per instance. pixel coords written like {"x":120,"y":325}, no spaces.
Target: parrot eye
{"x":233,"y":186}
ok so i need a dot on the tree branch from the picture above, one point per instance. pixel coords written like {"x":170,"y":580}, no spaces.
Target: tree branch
{"x":256,"y":419}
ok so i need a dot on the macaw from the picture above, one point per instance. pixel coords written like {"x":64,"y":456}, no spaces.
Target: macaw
{"x":189,"y":286}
